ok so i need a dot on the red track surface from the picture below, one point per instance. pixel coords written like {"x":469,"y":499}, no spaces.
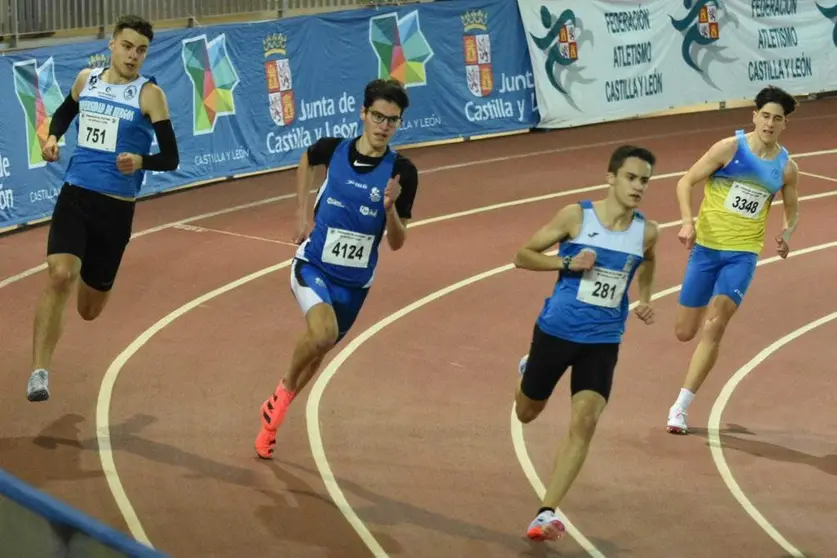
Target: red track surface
{"x":416,"y":423}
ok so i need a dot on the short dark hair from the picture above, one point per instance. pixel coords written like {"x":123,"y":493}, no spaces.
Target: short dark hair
{"x":138,"y":24}
{"x":623,"y":152}
{"x":773,"y":94}
{"x":390,"y":90}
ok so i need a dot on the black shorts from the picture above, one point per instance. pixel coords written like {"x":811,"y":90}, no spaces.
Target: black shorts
{"x":592,"y":365}
{"x":94,"y":227}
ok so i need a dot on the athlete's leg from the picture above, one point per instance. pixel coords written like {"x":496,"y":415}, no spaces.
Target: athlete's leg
{"x":698,"y":283}
{"x":66,"y":246}
{"x":549,"y":358}
{"x":590,"y":384}
{"x":330,"y":311}
{"x":110,"y":233}
{"x":733,"y":281}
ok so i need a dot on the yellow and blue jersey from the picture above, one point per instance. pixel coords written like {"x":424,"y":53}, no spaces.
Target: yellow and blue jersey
{"x":737,"y":198}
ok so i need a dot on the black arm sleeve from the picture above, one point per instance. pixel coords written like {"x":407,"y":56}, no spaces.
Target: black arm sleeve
{"x":320,"y":153}
{"x":63,"y":117}
{"x":168,"y":158}
{"x":409,"y":186}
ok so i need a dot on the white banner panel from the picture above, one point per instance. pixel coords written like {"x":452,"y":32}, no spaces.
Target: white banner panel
{"x":600,"y":60}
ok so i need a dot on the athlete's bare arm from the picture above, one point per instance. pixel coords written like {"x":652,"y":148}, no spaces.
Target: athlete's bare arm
{"x":565,"y":224}
{"x":645,"y":274}
{"x":396,"y":225}
{"x":716,"y":157}
{"x":790,"y":206}
{"x":304,"y":183}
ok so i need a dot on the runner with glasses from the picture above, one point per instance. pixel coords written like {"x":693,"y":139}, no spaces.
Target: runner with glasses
{"x":369,"y":189}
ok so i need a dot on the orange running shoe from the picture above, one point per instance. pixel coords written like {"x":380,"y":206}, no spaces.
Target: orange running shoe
{"x":273,"y":413}
{"x":545,"y":527}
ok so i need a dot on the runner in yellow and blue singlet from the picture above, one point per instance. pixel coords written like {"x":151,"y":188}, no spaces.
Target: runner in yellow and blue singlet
{"x":742,"y":175}
{"x":731,"y":226}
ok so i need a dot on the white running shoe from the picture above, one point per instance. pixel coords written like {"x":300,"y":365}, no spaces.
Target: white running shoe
{"x":545,"y":527}
{"x":677,"y":421}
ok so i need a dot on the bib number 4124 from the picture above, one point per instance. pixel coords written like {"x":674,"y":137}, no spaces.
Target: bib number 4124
{"x":347,"y":251}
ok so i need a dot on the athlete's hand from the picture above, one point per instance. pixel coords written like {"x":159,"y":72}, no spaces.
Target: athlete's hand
{"x":782,"y":247}
{"x":644,"y":312}
{"x":583,"y":261}
{"x":392,"y":191}
{"x":51,"y":150}
{"x":128,"y":163}
{"x":687,"y":235}
{"x":301,"y":232}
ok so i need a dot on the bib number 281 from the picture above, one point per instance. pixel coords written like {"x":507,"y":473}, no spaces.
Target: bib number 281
{"x":602,"y":287}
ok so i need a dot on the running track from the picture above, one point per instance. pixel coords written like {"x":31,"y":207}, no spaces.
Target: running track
{"x":411,"y":420}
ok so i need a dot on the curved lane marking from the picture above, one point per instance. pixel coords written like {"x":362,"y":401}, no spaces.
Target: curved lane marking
{"x":112,"y":374}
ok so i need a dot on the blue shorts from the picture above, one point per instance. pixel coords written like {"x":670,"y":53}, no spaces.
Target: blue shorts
{"x":716,"y":272}
{"x":311,"y":286}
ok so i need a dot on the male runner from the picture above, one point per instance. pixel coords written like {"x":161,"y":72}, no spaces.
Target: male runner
{"x":743,"y":174}
{"x":119,"y":112}
{"x":602,"y":244}
{"x":369,"y":189}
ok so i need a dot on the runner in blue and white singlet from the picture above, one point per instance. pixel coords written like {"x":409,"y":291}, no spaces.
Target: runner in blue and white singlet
{"x":110,"y":122}
{"x":592,"y":307}
{"x":369,"y":189}
{"x":603,"y":245}
{"x":118,"y":112}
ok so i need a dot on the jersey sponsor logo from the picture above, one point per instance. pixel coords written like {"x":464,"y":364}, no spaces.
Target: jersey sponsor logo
{"x":477,"y":44}
{"x":401,"y":48}
{"x":214,"y":79}
{"x":375,"y":195}
{"x":280,"y":88}
{"x":335,"y":202}
{"x":39,"y":96}
{"x":369,"y":212}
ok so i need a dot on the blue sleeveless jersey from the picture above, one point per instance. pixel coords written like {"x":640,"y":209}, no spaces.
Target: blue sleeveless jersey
{"x":109,"y":122}
{"x":592,"y":307}
{"x":349,"y":220}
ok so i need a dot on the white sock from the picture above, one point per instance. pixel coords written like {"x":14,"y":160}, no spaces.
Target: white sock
{"x":684,"y":399}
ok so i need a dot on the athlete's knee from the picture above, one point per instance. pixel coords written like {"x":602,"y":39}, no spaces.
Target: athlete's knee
{"x":586,"y":410}
{"x":322,"y":332}
{"x":687,"y":323}
{"x":91,"y":302}
{"x":718,"y":319}
{"x":63,"y":273}
{"x":527,"y":409}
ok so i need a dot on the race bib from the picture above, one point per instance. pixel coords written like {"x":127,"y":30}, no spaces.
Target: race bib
{"x":97,"y":131}
{"x":347,"y":248}
{"x":745,"y":200}
{"x":602,"y":287}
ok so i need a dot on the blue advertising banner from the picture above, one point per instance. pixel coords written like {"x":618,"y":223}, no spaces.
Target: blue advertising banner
{"x":251,"y":97}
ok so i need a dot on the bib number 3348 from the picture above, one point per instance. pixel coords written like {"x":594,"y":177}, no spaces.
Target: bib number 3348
{"x":347,"y":248}
{"x":746,"y":200}
{"x":602,"y":287}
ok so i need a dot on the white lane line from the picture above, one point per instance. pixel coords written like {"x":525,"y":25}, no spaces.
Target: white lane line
{"x":33,"y":270}
{"x":106,"y":393}
{"x":193,"y":228}
{"x":112,"y":374}
{"x":715,"y":425}
{"x":820,"y":176}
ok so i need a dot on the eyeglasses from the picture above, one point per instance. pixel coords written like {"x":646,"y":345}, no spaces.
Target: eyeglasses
{"x":379,"y":118}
